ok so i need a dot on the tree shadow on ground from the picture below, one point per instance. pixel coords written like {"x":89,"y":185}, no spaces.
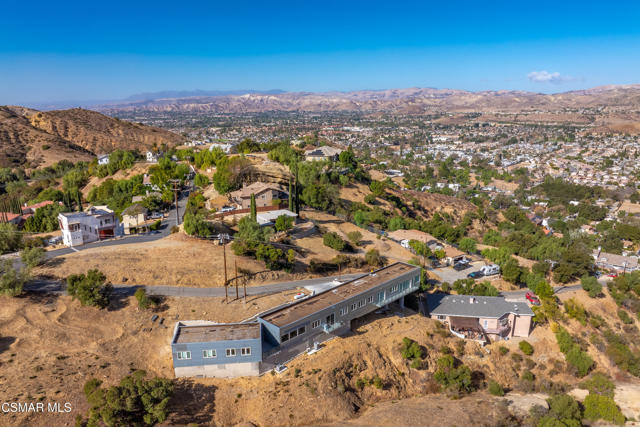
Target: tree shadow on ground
{"x":192,"y":403}
{"x":5,"y":343}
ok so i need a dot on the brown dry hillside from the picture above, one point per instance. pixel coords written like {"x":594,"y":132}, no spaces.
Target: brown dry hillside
{"x":22,"y":144}
{"x":99,"y":133}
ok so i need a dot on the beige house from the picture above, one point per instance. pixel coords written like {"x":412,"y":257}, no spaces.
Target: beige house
{"x":481,"y":318}
{"x":134,"y":219}
{"x":266,"y":194}
{"x":322,"y":153}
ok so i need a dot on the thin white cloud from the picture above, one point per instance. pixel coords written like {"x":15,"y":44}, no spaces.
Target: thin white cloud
{"x":547,"y":77}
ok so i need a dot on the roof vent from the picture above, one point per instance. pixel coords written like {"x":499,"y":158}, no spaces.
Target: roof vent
{"x":472,"y":300}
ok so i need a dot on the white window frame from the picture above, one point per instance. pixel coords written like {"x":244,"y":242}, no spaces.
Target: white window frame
{"x":230,"y":352}
{"x":183,"y":355}
{"x":209,"y":354}
{"x":370,"y":299}
{"x":344,"y":311}
{"x":315,"y":324}
{"x":354,"y":306}
{"x":245,"y":351}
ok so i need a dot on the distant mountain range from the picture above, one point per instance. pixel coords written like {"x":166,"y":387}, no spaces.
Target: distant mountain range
{"x":411,"y":100}
{"x":33,"y":138}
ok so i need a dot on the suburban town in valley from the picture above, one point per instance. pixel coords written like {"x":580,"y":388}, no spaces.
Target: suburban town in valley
{"x":366,"y":216}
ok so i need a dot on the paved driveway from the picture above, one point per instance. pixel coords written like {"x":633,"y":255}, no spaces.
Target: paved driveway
{"x":448,"y":274}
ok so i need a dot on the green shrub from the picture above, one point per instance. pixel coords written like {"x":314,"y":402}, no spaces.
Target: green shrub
{"x":411,"y":349}
{"x":575,"y":310}
{"x":12,"y":279}
{"x":90,"y":289}
{"x":565,"y":410}
{"x":134,"y":401}
{"x":527,"y":376}
{"x":580,"y":360}
{"x":599,"y":384}
{"x":599,"y":407}
{"x":355,"y":237}
{"x":374,"y":259}
{"x":378,"y":383}
{"x":495,"y":388}
{"x":526,"y":348}
{"x":503,"y":350}
{"x":144,"y":301}
{"x":591,"y":285}
{"x":624,"y":316}
{"x":454,"y":380}
{"x":334,"y":241}
{"x":33,"y":257}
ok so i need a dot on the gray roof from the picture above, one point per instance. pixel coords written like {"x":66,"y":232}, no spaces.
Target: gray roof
{"x":474,"y":306}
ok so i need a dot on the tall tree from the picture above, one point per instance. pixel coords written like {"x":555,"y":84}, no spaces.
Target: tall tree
{"x":296,"y":191}
{"x":290,"y":195}
{"x":254,"y":209}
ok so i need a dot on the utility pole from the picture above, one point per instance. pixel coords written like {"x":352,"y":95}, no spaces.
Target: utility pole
{"x":175,"y":194}
{"x":224,"y":255}
{"x":235,"y":261}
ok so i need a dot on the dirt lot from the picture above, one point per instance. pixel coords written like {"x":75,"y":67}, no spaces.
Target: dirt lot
{"x":176,"y":260}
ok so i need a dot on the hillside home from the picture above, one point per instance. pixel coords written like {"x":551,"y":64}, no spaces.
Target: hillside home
{"x":135,"y":220}
{"x":96,"y":223}
{"x":103,"y":159}
{"x":153,"y":157}
{"x":266,"y":194}
{"x":322,"y":153}
{"x":207,"y":349}
{"x":613,"y":262}
{"x":280,"y":334}
{"x":479,"y":317}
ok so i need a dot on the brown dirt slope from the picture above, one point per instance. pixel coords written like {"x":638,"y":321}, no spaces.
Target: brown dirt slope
{"x":22,"y":144}
{"x":99,"y":133}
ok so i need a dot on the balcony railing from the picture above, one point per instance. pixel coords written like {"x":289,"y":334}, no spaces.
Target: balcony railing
{"x":388,"y":299}
{"x":330,"y":327}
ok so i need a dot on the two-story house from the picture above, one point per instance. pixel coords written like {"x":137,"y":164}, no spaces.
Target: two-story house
{"x":96,"y":223}
{"x":266,"y":194}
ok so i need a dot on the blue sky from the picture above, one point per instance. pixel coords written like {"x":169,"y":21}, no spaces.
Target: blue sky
{"x":69,"y":50}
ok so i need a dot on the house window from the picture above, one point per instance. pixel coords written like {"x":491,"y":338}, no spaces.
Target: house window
{"x":370,"y":299}
{"x":231,"y":352}
{"x":208,"y":354}
{"x":183,"y":355}
{"x":245,"y":351}
{"x":284,"y":338}
{"x":380,"y":296}
{"x":394,"y":288}
{"x":315,"y":324}
{"x":293,"y":334}
{"x":302,"y":330}
{"x":442,"y":317}
{"x":361,"y":303}
{"x":485,"y":323}
{"x":354,"y":306}
{"x":343,"y":311}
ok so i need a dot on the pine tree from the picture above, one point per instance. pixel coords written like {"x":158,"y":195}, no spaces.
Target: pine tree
{"x":79,"y":200}
{"x":254,"y":209}
{"x":290,"y":195}
{"x":296,"y":193}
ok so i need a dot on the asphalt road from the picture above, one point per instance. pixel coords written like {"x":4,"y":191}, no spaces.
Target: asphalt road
{"x":56,"y":287}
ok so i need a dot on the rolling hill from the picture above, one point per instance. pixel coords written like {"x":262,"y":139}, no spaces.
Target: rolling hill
{"x":411,"y":100}
{"x":32,"y":138}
